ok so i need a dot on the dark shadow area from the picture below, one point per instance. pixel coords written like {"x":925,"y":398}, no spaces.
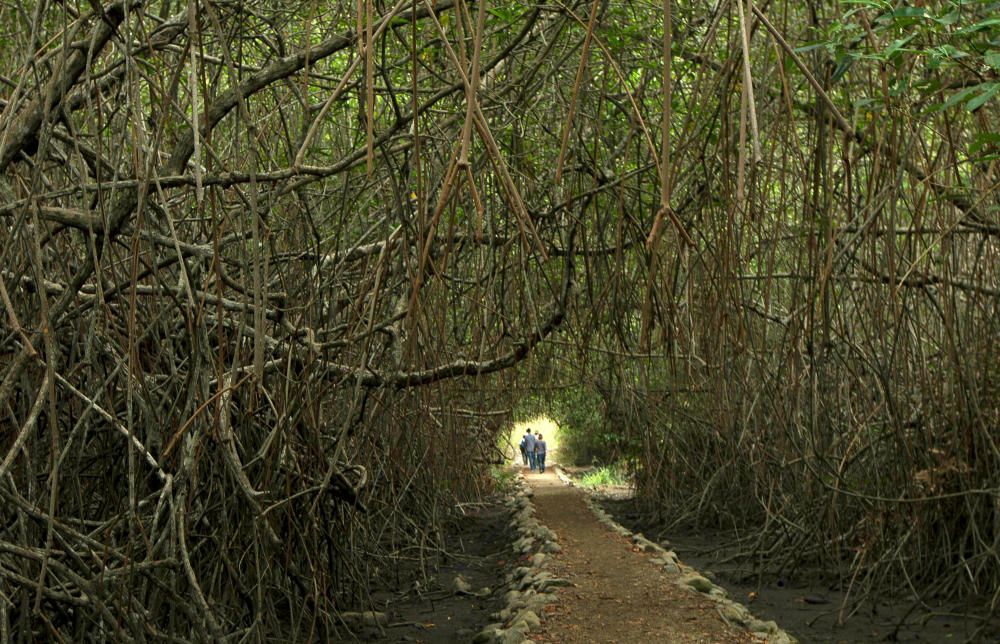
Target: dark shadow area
{"x":428,"y":608}
{"x":809,"y":603}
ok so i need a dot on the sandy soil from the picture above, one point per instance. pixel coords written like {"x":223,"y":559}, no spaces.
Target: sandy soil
{"x":618,"y":595}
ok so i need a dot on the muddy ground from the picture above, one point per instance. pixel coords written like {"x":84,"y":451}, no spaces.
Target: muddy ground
{"x":431,"y":612}
{"x":804,"y":603}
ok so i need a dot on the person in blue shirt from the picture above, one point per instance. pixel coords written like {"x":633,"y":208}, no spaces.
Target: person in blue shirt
{"x":528,"y":446}
{"x":540,"y":453}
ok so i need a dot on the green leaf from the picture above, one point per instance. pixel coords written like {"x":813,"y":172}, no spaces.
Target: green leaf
{"x":507,"y":14}
{"x":804,"y":48}
{"x":981,"y":100}
{"x":865,"y":103}
{"x":951,"y":51}
{"x":907,"y":16}
{"x":844,"y":63}
{"x":898,"y":45}
{"x":992,"y":59}
{"x":870,"y":4}
{"x":979,"y":26}
{"x":958,"y":97}
{"x":983,"y":140}
{"x":947,"y":19}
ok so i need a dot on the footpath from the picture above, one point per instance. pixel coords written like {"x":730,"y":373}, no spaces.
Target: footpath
{"x":626,"y":589}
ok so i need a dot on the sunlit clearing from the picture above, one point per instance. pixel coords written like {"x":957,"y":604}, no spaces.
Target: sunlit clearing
{"x":550,"y":432}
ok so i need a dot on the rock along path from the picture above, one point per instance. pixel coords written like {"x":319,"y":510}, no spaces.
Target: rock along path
{"x":618,"y":594}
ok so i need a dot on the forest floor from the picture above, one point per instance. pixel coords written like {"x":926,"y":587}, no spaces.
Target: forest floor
{"x":807,"y":603}
{"x":617,"y":594}
{"x":424,"y":606}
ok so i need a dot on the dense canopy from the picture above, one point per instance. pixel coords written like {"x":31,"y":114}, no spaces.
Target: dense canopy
{"x":276,"y":277}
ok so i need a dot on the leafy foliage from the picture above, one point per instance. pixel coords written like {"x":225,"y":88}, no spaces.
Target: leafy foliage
{"x":607,"y":475}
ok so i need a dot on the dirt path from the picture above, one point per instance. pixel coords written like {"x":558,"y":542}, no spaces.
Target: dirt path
{"x":618,"y":595}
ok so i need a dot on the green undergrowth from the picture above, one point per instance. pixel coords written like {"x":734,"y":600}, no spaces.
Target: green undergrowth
{"x":503,"y":479}
{"x":605,"y":475}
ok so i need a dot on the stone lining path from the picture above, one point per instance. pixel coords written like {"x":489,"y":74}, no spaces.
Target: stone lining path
{"x":618,"y":595}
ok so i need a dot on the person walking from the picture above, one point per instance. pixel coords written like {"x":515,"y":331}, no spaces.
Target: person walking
{"x":540,"y":453}
{"x":529,"y":447}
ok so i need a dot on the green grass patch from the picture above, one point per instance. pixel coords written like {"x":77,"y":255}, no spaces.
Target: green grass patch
{"x":503,"y":478}
{"x":607,"y":475}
